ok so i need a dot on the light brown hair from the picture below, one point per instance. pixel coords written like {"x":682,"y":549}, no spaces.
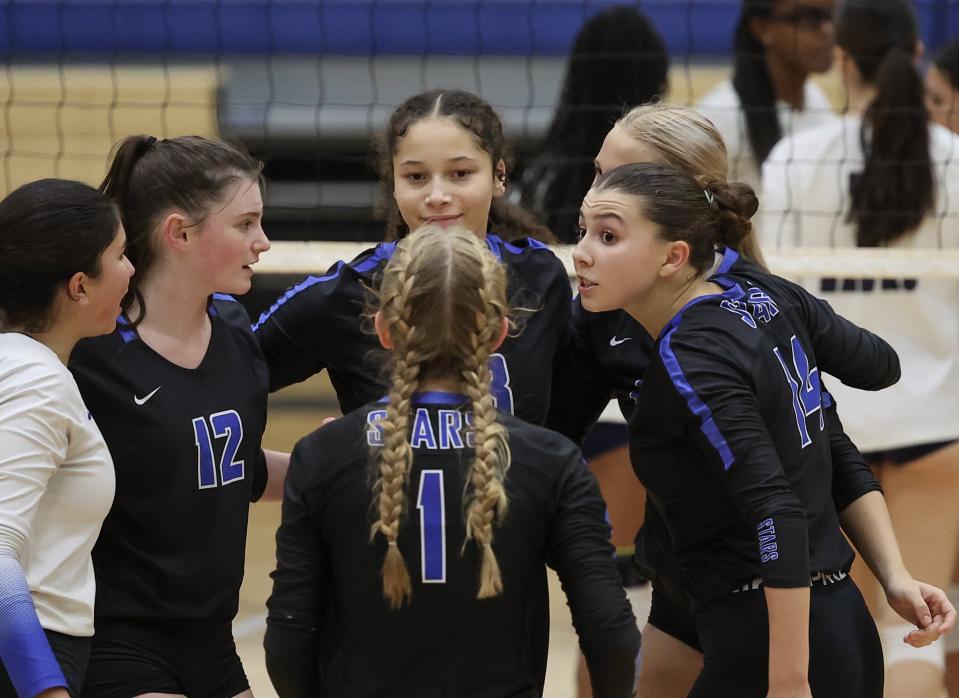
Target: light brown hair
{"x":443,"y":300}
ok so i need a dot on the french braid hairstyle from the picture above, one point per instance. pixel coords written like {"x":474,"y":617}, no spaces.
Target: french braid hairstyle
{"x":443,"y":300}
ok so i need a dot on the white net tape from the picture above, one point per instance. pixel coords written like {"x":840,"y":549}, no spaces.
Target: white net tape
{"x":317,"y":257}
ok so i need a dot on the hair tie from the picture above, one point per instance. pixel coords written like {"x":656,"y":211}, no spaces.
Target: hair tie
{"x":709,"y":197}
{"x":150,"y":141}
{"x":392,"y":542}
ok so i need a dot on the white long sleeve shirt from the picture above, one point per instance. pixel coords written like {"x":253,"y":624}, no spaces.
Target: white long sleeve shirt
{"x":56,"y":483}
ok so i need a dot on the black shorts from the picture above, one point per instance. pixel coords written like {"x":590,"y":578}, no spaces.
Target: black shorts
{"x":845,"y":655}
{"x":670,"y":611}
{"x":196,"y":659}
{"x":71,"y":653}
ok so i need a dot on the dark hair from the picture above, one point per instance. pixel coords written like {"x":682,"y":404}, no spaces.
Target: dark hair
{"x":618,"y":61}
{"x":49,"y":230}
{"x":753,"y":83}
{"x":947,"y":61}
{"x":477,"y":117}
{"x":149,"y":178}
{"x":895,"y":190}
{"x":704,"y":214}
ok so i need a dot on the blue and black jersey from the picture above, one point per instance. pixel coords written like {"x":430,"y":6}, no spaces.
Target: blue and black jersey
{"x":729,"y":435}
{"x":320,"y":323}
{"x":186,"y":447}
{"x":446,"y":642}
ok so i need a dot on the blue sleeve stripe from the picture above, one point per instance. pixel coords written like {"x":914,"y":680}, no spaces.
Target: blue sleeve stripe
{"x":224,"y":297}
{"x":24,"y":648}
{"x":827,"y":401}
{"x":382,"y":252}
{"x":697,"y":406}
{"x":495,"y":243}
{"x":127,"y":333}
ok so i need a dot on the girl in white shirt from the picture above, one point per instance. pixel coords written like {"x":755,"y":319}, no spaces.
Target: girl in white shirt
{"x":63,"y":273}
{"x":883,"y":176}
{"x":778,"y":44}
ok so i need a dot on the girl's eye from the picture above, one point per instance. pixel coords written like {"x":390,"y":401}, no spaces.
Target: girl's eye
{"x":580,"y":232}
{"x":461,"y":174}
{"x":608,"y":236}
{"x":415,"y":177}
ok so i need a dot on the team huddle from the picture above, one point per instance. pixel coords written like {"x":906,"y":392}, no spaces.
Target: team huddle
{"x":417,"y":528}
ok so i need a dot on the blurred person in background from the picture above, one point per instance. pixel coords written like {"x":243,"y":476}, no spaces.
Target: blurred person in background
{"x":942,"y":87}
{"x":778,"y":44}
{"x":618,"y":61}
{"x":883,"y":175}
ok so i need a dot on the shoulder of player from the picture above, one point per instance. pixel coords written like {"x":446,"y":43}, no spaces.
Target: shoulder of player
{"x":102,"y":350}
{"x":323,"y":297}
{"x":27,"y":366}
{"x":525,"y":253}
{"x":334,"y":447}
{"x":812,"y":143}
{"x":711,"y":331}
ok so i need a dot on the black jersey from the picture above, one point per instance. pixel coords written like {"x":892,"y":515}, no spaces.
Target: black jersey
{"x":186,"y":448}
{"x":728,"y":437}
{"x":606,"y":354}
{"x":446,"y":643}
{"x":604,"y":358}
{"x":320,"y":323}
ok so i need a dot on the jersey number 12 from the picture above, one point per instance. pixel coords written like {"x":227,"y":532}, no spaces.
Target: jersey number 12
{"x":225,"y":424}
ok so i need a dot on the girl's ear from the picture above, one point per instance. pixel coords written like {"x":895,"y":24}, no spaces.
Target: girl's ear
{"x":382,"y":331}
{"x":677,"y":256}
{"x":501,"y":337}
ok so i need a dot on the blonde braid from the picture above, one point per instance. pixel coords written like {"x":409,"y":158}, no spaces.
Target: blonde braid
{"x":487,"y":502}
{"x":396,"y":456}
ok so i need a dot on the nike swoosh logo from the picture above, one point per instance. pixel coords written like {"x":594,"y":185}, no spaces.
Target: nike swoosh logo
{"x":616,"y":342}
{"x":142,"y":400}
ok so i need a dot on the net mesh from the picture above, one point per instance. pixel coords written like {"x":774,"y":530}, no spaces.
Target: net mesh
{"x":306,"y":85}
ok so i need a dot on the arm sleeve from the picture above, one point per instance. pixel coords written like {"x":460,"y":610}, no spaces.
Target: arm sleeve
{"x":33,"y":439}
{"x":855,"y":356}
{"x":284,"y":333}
{"x":300,"y":583}
{"x":580,"y":552}
{"x":727,"y":424}
{"x":851,"y":475}
{"x":580,"y":390}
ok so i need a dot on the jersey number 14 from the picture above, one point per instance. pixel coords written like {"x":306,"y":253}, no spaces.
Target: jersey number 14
{"x":805,"y":387}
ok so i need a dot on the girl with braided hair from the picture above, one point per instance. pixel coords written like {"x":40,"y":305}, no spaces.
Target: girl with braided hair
{"x":433,"y":594}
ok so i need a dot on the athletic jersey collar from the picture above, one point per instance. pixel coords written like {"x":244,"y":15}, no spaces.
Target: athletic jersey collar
{"x":732,"y":291}
{"x":433,"y":397}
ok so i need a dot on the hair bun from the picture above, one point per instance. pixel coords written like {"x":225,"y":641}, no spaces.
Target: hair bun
{"x":735,"y":203}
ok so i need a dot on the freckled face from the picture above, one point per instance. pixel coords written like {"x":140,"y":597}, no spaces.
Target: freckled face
{"x":619,"y":254}
{"x":232,"y":239}
{"x":442,"y":176}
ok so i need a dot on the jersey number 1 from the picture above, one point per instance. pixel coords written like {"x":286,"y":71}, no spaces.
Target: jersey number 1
{"x":806,"y":391}
{"x":225,"y":424}
{"x":432,"y":505}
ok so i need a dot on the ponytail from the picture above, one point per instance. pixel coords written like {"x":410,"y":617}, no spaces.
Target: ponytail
{"x":895,"y":190}
{"x":753,"y":83}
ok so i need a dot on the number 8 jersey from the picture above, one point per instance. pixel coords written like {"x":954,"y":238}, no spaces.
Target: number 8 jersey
{"x":186,"y":447}
{"x":320,"y":323}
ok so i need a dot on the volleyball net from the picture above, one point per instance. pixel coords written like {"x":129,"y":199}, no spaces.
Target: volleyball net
{"x":306,"y":84}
